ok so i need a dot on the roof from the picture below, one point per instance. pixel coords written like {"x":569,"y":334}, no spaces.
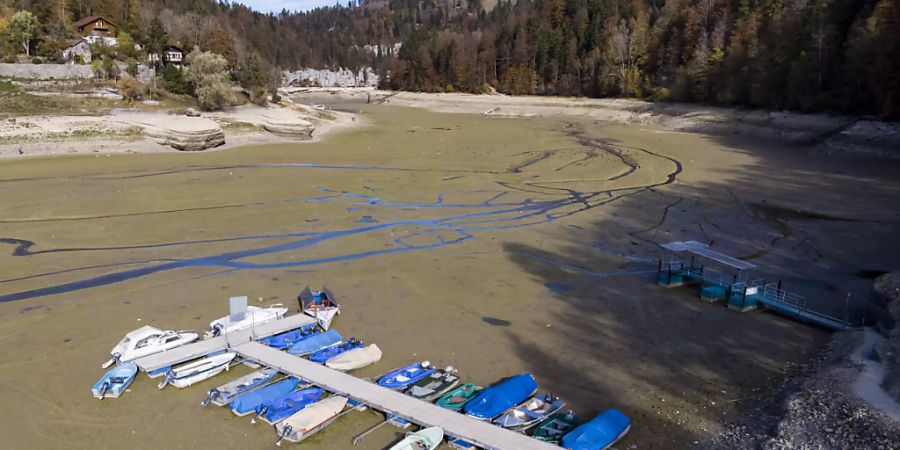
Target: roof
{"x":703,"y":250}
{"x":91,"y":19}
{"x":172,"y":47}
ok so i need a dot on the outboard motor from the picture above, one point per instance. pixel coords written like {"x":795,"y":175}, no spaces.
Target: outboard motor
{"x":113,"y":360}
{"x":166,"y":380}
{"x":260,"y":413}
{"x":213,"y":393}
{"x":216,"y":330}
{"x":284,"y":432}
{"x":103,"y":389}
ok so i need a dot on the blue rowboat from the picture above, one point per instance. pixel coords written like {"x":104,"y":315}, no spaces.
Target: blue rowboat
{"x":314,"y":343}
{"x":115,"y":381}
{"x":248,"y":402}
{"x":285,"y":340}
{"x":494,"y":400}
{"x":405,"y":376}
{"x":281,"y":408}
{"x":600,"y":433}
{"x":327,"y":353}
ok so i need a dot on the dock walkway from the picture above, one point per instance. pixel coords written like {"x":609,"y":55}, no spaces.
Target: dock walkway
{"x":454,"y":424}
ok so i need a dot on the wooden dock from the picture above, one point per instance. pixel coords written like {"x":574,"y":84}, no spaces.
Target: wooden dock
{"x":207,"y":346}
{"x":454,"y":424}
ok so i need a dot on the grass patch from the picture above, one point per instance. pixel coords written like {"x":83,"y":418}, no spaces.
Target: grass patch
{"x":77,"y":135}
{"x":21,"y":104}
{"x":7,"y":87}
{"x":240,"y":127}
{"x":325,"y":115}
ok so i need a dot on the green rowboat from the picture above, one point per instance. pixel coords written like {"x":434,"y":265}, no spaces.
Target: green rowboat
{"x":455,"y":399}
{"x":553,"y":429}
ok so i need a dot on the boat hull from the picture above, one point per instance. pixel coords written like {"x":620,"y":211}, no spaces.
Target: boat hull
{"x":427,"y":438}
{"x":195,"y":372}
{"x":311,"y":420}
{"x":222,"y":395}
{"x":115,"y":381}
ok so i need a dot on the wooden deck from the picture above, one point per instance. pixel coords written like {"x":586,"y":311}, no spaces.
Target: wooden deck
{"x":202,"y":348}
{"x":454,"y":424}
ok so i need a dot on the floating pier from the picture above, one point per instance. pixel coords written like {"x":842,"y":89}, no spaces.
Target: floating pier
{"x":202,"y":348}
{"x":481,"y":434}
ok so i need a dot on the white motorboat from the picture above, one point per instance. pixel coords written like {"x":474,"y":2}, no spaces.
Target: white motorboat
{"x":194,"y":372}
{"x":310,"y":419}
{"x":148,"y":340}
{"x":356,"y":358}
{"x":320,"y":305}
{"x":252,"y":317}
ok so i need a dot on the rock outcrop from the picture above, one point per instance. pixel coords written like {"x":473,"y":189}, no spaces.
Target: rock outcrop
{"x":887,"y":290}
{"x":180,"y":133}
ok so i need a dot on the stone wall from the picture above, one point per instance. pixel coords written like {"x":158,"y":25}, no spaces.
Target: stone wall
{"x":46,"y":71}
{"x":330,"y":78}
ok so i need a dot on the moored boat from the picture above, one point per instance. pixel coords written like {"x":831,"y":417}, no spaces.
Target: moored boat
{"x":274,"y":411}
{"x":316,"y":342}
{"x":434,"y":385}
{"x":494,"y":400}
{"x":289,"y":338}
{"x":555,"y":427}
{"x":404,"y":377}
{"x":455,"y":399}
{"x":325,"y":354}
{"x":247,"y":402}
{"x":310,"y":420}
{"x":319,"y":305}
{"x":355,"y":359}
{"x":530,"y":413}
{"x":194,"y":372}
{"x":222,"y":395}
{"x":599,"y":433}
{"x":424,"y":439}
{"x":252,"y":317}
{"x":146,"y":341}
{"x":114,"y":382}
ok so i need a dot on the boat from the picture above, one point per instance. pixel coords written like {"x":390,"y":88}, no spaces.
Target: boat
{"x":148,"y":340}
{"x":222,"y":395}
{"x":115,"y":381}
{"x":599,"y":433}
{"x":247,"y":402}
{"x":311,"y":419}
{"x":316,"y":342}
{"x":494,"y":400}
{"x":287,"y":339}
{"x":455,"y":399}
{"x":404,"y":377}
{"x":557,"y":425}
{"x":250,"y":318}
{"x":434,"y":385}
{"x":330,"y":352}
{"x":424,"y":439}
{"x":274,"y":411}
{"x":197,"y":371}
{"x":319,"y":305}
{"x":530,"y":413}
{"x":355,"y":359}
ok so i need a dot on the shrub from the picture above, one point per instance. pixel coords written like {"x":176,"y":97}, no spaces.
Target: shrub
{"x":208,"y":73}
{"x":10,"y":60}
{"x":173,"y":81}
{"x":131,"y":89}
{"x":37,"y":60}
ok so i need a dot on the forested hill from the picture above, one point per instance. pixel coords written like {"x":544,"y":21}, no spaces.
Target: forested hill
{"x":807,"y":55}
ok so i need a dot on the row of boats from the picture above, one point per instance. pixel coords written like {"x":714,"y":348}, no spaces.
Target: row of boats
{"x":298,"y":410}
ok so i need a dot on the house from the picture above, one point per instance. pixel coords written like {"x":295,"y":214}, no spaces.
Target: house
{"x":77,"y":50}
{"x":170,"y":55}
{"x":96,"y":26}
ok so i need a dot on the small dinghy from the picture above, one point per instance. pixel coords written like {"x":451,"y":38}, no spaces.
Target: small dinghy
{"x":555,"y":427}
{"x":319,"y":305}
{"x":455,"y":399}
{"x":281,"y":408}
{"x":285,"y":340}
{"x":247,"y":402}
{"x":327,"y":353}
{"x":530,"y":413}
{"x":434,"y":385}
{"x":316,"y":342}
{"x":310,"y":420}
{"x":114,"y":382}
{"x":197,"y":371}
{"x":424,"y":439}
{"x":252,"y":317}
{"x":148,"y":340}
{"x":600,"y":433}
{"x":494,"y":400}
{"x":355,"y":359}
{"x":222,"y":395}
{"x":404,"y":377}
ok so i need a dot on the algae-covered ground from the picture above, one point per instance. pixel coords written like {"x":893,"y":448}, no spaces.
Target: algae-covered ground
{"x":496,"y":245}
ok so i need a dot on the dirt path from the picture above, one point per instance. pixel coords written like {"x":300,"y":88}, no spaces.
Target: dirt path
{"x":868,"y":384}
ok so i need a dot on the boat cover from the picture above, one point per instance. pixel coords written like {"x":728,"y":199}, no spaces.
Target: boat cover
{"x":284,"y":407}
{"x":493,"y":400}
{"x":285,"y":340}
{"x":312,"y":416}
{"x":316,"y":342}
{"x":327,"y":353}
{"x":601,"y":432}
{"x":248,"y":401}
{"x":355,"y":359}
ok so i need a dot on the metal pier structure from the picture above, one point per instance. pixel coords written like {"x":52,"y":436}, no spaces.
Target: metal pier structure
{"x":202,"y":348}
{"x":481,"y":434}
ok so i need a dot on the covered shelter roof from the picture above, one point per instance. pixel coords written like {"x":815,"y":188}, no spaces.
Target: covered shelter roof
{"x":703,"y":250}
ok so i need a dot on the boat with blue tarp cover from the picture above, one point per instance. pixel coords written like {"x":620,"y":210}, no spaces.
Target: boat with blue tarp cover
{"x":316,"y":342}
{"x":115,"y":381}
{"x":494,"y":400}
{"x":287,"y":339}
{"x":599,"y":433}
{"x":327,"y":353}
{"x":246,"y":403}
{"x":281,"y":408}
{"x":405,"y":376}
